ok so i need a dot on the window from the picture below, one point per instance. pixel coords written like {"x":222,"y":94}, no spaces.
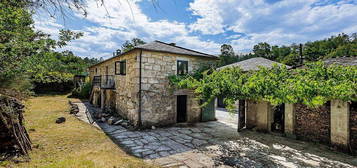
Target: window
{"x":120,"y":68}
{"x":96,"y":70}
{"x":182,"y":67}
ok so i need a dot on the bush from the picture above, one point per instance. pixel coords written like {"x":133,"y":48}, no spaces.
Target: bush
{"x":82,"y":91}
{"x":19,"y":85}
{"x":313,"y":85}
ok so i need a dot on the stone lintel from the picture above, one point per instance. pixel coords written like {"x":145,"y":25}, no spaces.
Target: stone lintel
{"x":183,"y":92}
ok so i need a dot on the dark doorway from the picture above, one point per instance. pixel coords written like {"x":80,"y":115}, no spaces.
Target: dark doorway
{"x":278,"y":120}
{"x":220,"y":102}
{"x":241,"y":115}
{"x":181,"y":108}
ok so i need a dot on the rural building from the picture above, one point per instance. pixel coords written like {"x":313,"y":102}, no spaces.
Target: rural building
{"x":253,"y":64}
{"x":334,"y":123}
{"x":135,"y":84}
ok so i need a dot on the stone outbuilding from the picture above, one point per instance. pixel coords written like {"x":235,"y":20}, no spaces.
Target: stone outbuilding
{"x":253,"y":64}
{"x":135,"y":84}
{"x":254,"y":114}
{"x":334,"y":123}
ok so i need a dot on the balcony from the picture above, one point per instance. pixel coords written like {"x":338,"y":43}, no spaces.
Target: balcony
{"x":96,"y":81}
{"x":108,"y":82}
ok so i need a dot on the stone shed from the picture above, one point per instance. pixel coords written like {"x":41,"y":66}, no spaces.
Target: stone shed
{"x":135,"y":84}
{"x":334,"y":123}
{"x":253,"y":114}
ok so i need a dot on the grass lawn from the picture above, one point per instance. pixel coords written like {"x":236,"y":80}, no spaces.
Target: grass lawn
{"x":70,"y":144}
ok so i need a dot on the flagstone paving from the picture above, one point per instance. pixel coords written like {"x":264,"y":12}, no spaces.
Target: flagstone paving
{"x":217,"y":144}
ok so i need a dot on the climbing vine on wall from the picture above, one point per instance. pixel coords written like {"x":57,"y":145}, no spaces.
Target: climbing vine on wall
{"x":312,"y":85}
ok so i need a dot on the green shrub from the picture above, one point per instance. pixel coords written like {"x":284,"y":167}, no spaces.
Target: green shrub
{"x":82,"y":91}
{"x":313,"y":85}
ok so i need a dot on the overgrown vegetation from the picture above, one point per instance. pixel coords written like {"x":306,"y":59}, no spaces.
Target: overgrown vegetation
{"x":313,"y":85}
{"x":335,"y":46}
{"x":82,"y":91}
{"x":28,"y":57}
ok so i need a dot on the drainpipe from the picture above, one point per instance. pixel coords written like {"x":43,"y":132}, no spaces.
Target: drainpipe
{"x":140,"y":74}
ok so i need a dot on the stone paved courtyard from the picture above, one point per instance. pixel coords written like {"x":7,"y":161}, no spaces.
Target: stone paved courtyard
{"x":217,"y":144}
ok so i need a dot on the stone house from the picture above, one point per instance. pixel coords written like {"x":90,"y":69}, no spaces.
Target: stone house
{"x":135,"y":84}
{"x":334,"y":123}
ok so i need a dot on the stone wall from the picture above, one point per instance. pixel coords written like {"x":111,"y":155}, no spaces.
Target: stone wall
{"x":95,"y":99}
{"x":263,"y":116}
{"x":289,"y":123}
{"x":312,"y":124}
{"x":353,"y":127}
{"x":251,"y":113}
{"x":193,"y":105}
{"x":340,"y":131}
{"x":126,"y":89}
{"x":158,"y":100}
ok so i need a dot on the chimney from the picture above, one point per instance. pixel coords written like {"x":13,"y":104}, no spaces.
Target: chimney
{"x":301,"y":56}
{"x":172,"y":44}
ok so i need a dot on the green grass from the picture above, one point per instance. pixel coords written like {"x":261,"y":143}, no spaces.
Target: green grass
{"x":71,"y":144}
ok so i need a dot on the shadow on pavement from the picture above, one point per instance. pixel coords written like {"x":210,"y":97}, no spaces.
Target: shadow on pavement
{"x":222,"y":144}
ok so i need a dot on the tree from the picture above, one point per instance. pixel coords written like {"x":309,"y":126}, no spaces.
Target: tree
{"x":128,"y":45}
{"x":263,"y":50}
{"x":227,"y":55}
{"x":27,"y":55}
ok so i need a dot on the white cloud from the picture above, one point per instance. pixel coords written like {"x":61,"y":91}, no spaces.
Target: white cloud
{"x":282,"y":22}
{"x":247,"y":22}
{"x":121,"y":20}
{"x":210,"y":20}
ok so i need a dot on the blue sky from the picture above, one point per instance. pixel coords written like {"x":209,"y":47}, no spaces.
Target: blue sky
{"x":203,"y":25}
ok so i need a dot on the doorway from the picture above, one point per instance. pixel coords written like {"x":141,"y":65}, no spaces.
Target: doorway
{"x":181,"y":108}
{"x":241,"y":115}
{"x":220,"y":102}
{"x":278,"y":118}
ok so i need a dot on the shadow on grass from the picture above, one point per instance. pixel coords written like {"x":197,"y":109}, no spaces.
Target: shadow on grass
{"x":51,"y":93}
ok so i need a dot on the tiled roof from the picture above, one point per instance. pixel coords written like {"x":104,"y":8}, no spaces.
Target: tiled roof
{"x":254,"y":64}
{"x":346,"y":61}
{"x":172,"y":48}
{"x":164,"y":47}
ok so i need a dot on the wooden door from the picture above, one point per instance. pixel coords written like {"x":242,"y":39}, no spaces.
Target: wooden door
{"x":208,"y":112}
{"x":181,"y":108}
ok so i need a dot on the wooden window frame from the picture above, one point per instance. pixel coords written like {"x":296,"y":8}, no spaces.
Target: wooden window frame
{"x":120,"y":67}
{"x":117,"y":67}
{"x":177,"y":69}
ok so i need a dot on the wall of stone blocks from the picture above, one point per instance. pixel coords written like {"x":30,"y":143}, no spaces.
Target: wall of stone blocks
{"x":158,"y":100}
{"x":126,"y":89}
{"x":263,"y":116}
{"x":313,"y":124}
{"x":251,"y":114}
{"x":289,"y":123}
{"x":340,"y":131}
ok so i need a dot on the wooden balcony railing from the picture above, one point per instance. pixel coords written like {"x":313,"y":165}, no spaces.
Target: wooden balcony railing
{"x":108,"y":82}
{"x":97,"y":80}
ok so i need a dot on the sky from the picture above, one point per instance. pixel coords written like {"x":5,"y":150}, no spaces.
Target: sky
{"x":202,"y":25}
